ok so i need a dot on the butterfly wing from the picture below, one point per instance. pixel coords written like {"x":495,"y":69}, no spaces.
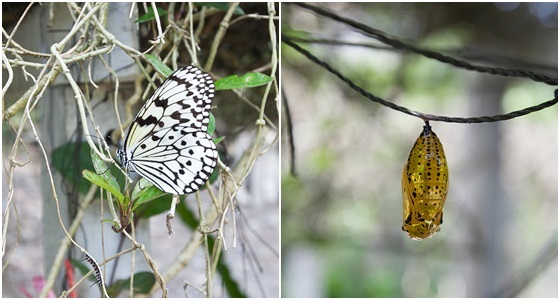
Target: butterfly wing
{"x":184,"y":99}
{"x":167,"y":143}
{"x":182,"y":161}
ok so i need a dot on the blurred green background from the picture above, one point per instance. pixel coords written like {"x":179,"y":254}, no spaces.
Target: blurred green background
{"x":342,"y":215}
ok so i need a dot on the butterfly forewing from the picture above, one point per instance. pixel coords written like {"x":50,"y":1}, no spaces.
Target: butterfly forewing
{"x":183,"y":99}
{"x":167,"y":143}
{"x":425,"y":183}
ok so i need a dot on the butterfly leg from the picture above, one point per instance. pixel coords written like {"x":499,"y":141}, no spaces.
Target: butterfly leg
{"x":171,"y":214}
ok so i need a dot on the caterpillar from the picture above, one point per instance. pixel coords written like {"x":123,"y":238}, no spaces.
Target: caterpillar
{"x":425,"y":182}
{"x":96,"y":269}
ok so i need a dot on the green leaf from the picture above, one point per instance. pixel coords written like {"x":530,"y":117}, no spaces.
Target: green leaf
{"x":70,"y":159}
{"x":145,"y":192}
{"x":101,"y":168}
{"x":246,"y":81}
{"x":101,"y":182}
{"x":149,"y":15}
{"x":221,"y":6}
{"x":143,"y":282}
{"x":161,"y":67}
{"x":141,"y":186}
{"x":150,"y":209}
{"x":211,"y":124}
{"x":218,"y":140}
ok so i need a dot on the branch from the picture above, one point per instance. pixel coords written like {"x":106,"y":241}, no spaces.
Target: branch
{"x":219,"y":35}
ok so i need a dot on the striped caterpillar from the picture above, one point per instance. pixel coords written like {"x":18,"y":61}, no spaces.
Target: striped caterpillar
{"x":96,"y":269}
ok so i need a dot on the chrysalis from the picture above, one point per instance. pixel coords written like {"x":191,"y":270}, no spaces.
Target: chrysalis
{"x":425,"y":182}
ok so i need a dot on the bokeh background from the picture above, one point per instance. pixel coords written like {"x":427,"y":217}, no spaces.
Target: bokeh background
{"x":342,"y":213}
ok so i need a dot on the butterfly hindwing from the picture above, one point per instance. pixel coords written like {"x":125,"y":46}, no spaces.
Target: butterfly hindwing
{"x":178,"y":167}
{"x":167,"y":143}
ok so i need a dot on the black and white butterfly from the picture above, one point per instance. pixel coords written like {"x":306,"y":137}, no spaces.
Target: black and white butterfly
{"x":167,"y":143}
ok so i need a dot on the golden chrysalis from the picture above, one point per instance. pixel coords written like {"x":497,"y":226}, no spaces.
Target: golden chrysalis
{"x":425,"y":183}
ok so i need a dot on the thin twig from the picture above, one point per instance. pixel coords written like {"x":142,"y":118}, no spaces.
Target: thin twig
{"x":220,"y":34}
{"x":187,"y":253}
{"x":192,"y":50}
{"x":289,"y":133}
{"x":88,"y":274}
{"x":7,"y":44}
{"x":5,"y":86}
{"x":151,"y":263}
{"x":203,"y":227}
{"x":22,"y":101}
{"x":160,"y":38}
{"x":67,"y":240}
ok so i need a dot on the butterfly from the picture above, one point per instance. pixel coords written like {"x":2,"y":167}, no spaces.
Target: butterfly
{"x":167,"y":143}
{"x":425,"y":181}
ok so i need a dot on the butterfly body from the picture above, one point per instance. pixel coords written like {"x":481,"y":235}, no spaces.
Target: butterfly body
{"x":167,"y":142}
{"x":425,"y":183}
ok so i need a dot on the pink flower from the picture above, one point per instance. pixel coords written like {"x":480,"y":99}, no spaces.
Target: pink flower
{"x":38,"y":284}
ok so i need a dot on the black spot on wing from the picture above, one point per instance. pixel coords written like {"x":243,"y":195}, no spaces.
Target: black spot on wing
{"x":150,"y":120}
{"x":161,"y":102}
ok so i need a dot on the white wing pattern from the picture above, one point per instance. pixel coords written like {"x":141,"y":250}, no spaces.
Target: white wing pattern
{"x":167,"y":143}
